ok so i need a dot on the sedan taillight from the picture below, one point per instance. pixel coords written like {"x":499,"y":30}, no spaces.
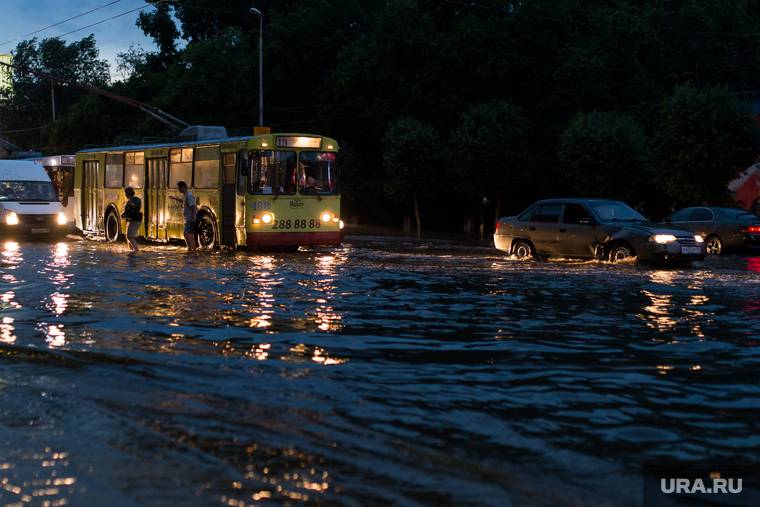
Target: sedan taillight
{"x":751,"y":228}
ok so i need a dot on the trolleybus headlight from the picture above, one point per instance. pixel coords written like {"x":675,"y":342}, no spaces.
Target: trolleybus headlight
{"x":61,"y":218}
{"x":11,"y":218}
{"x":326,"y":217}
{"x":267,"y":218}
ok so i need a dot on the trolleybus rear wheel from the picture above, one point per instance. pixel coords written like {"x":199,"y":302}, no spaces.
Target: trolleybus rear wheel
{"x":206,"y":232}
{"x":113,"y":227}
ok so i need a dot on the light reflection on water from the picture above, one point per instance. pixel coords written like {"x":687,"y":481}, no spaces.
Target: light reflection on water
{"x":383,"y":372}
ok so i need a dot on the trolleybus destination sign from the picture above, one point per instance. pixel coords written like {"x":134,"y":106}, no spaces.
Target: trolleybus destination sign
{"x":297,"y":142}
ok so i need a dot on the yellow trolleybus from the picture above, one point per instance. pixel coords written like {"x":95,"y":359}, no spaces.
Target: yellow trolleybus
{"x":268,"y":190}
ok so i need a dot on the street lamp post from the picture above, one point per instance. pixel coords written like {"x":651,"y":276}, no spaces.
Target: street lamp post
{"x":52,"y":92}
{"x":40,"y":115}
{"x":254,"y":11}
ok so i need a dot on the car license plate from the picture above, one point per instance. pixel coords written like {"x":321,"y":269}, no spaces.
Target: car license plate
{"x":691,"y":250}
{"x":40,"y":231}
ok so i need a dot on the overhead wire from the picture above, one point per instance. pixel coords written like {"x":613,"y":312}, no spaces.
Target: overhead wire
{"x":60,"y":22}
{"x":92,"y":24}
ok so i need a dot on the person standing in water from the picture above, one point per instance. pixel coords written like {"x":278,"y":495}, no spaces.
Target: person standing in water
{"x":189,"y":211}
{"x":134,"y":217}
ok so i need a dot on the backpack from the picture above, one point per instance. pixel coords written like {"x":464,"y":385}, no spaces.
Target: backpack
{"x":133,"y":211}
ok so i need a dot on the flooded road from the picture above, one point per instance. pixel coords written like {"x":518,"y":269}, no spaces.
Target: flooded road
{"x":387,"y":371}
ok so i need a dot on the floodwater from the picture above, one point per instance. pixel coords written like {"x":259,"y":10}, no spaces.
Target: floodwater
{"x":387,"y":371}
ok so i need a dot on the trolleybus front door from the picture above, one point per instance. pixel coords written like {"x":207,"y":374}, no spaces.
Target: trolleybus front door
{"x":155,"y":212}
{"x":90,"y":209}
{"x":229,"y":200}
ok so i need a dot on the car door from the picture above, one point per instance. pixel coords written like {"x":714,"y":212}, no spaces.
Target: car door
{"x":680,"y":219}
{"x":701,"y":221}
{"x":543,"y":228}
{"x":578,"y":231}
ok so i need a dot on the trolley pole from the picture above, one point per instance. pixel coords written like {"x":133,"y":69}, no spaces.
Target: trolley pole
{"x":260,"y":15}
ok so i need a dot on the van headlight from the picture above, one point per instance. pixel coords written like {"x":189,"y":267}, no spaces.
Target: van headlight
{"x":11,"y":218}
{"x":62,"y":218}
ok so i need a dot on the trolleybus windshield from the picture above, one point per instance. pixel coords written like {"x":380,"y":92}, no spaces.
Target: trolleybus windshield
{"x":272,"y":172}
{"x":319,"y":173}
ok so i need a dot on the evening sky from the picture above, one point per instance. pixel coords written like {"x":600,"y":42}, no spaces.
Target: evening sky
{"x":111,"y":21}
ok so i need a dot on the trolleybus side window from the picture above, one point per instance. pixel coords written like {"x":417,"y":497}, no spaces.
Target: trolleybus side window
{"x":206,"y":167}
{"x":319,"y":173}
{"x":180,"y":166}
{"x":272,"y":172}
{"x":134,"y":172}
{"x":114,"y":170}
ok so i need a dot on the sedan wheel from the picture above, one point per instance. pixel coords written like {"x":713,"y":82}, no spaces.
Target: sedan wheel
{"x":714,"y":245}
{"x":620,"y":253}
{"x":522,"y":250}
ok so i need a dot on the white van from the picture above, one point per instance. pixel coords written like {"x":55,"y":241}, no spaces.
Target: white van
{"x":29,"y":205}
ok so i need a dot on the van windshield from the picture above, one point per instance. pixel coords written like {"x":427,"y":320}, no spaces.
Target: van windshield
{"x":27,"y":191}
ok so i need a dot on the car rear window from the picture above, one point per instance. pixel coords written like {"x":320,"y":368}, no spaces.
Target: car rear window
{"x":737,"y":214}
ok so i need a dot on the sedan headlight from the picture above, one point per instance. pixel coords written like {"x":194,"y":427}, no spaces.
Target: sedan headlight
{"x":663,"y":238}
{"x":61,"y":218}
{"x":698,"y":239}
{"x":11,"y":218}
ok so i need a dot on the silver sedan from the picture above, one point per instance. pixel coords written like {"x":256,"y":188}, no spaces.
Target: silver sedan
{"x":722,"y":228}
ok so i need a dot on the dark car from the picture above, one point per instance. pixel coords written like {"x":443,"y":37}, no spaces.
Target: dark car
{"x":722,"y":228}
{"x":593,"y":228}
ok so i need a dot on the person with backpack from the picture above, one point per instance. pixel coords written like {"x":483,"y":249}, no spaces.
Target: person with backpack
{"x":134,"y":217}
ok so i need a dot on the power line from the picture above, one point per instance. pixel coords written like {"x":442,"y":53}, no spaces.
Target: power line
{"x":97,"y":23}
{"x":59,"y":23}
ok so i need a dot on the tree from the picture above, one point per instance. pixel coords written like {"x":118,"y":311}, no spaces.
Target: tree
{"x":85,"y":123}
{"x":160,"y":25}
{"x":490,"y":149}
{"x":706,"y":138}
{"x":77,"y":62}
{"x":606,"y":153}
{"x":414,"y":154}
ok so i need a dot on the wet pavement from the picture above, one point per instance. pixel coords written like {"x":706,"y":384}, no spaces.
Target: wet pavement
{"x":387,"y":371}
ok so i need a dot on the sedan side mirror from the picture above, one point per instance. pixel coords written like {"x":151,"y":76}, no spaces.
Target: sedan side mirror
{"x":587,"y":221}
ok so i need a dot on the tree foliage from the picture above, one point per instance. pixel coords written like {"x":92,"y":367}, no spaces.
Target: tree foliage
{"x":348,"y":69}
{"x":705,"y":140}
{"x":414,"y":155}
{"x":606,"y":154}
{"x":490,"y":148}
